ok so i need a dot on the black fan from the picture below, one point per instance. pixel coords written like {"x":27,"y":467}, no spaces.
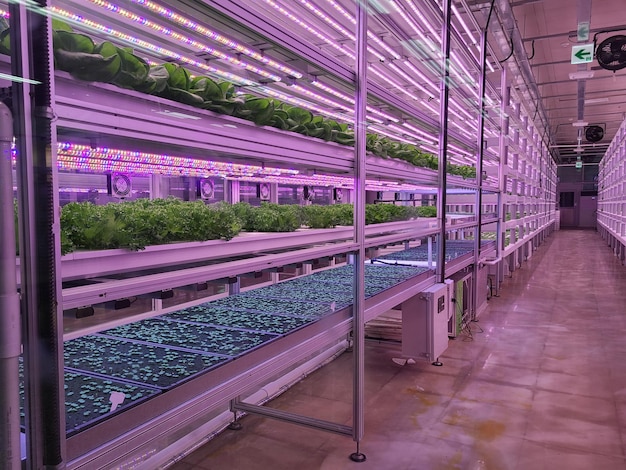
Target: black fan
{"x":594,"y":133}
{"x":611,"y":53}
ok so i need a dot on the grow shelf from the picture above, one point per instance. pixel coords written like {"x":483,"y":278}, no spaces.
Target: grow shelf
{"x":152,"y":365}
{"x":191,"y":337}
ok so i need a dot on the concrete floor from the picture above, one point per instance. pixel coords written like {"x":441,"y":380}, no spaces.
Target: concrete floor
{"x":540,"y":384}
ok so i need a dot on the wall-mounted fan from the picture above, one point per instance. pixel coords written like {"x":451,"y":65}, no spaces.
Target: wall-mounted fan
{"x":205,"y":189}
{"x":263,"y":191}
{"x":118,"y":185}
{"x":594,"y":133}
{"x":611,"y":53}
{"x":338,"y":194}
{"x":307,"y":193}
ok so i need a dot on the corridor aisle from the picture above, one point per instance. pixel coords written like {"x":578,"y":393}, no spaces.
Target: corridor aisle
{"x":539,"y":384}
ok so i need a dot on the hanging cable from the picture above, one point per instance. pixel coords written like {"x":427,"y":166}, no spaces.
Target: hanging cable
{"x":512,"y":49}
{"x":532,"y":45}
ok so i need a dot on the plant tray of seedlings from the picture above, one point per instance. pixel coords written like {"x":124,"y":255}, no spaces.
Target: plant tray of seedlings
{"x":257,"y":321}
{"x":192,"y":336}
{"x":153,"y":365}
{"x":88,"y":398}
{"x":297,"y":308}
{"x":320,"y":292}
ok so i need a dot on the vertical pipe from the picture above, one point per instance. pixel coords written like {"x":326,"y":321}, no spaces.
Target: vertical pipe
{"x":9,"y":307}
{"x":358,"y":319}
{"x":31,"y":58}
{"x":444,"y":95}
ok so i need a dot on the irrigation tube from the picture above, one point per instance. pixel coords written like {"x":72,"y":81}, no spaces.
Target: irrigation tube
{"x":10,"y":454}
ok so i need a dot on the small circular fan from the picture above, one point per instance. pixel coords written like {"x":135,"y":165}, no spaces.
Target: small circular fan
{"x":594,"y":133}
{"x":611,"y":53}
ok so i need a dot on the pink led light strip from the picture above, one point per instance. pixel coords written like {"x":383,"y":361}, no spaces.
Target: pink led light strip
{"x":215,"y":36}
{"x":148,"y":46}
{"x":393,"y":54}
{"x":183,"y":39}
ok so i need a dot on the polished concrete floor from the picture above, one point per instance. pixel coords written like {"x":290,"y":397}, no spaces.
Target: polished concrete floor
{"x":539,"y":384}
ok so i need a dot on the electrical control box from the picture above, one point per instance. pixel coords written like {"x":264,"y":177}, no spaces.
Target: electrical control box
{"x":425,"y":323}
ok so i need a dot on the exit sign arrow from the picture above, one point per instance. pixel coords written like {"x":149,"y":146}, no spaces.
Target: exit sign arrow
{"x":582,"y":55}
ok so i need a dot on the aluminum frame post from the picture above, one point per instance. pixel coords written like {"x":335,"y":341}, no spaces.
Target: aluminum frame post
{"x":444,"y":95}
{"x":504,"y":153}
{"x":32,"y":100}
{"x":479,"y":163}
{"x":358,"y":309}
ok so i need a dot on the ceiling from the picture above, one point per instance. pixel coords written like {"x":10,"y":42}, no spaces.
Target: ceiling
{"x":547,"y":31}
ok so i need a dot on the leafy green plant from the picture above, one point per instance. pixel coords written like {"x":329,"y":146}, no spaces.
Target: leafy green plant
{"x":273,"y":218}
{"x":80,"y":56}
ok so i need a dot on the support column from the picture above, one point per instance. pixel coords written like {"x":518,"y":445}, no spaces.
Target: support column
{"x":358,"y":315}
{"x":444,"y":95}
{"x":35,"y":136}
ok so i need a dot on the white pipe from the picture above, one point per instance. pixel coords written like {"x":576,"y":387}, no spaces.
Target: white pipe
{"x":10,"y":455}
{"x":203,"y":434}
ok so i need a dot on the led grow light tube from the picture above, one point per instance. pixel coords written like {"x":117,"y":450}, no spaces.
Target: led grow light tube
{"x":421,"y":136}
{"x":349,"y":99}
{"x":183,"y":39}
{"x":309,"y":28}
{"x":215,"y":36}
{"x":74,"y":18}
{"x":415,"y":28}
{"x":370,"y":35}
{"x":404,"y":75}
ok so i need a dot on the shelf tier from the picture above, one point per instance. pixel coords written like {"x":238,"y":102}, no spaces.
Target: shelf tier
{"x":214,"y":389}
{"x":114,"y":117}
{"x":313,"y":244}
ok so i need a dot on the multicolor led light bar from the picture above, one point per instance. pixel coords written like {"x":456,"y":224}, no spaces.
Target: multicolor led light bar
{"x":76,"y":157}
{"x":82,"y":158}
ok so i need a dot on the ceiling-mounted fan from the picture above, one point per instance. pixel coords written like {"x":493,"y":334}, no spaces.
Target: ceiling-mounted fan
{"x":594,"y":133}
{"x":611,"y":53}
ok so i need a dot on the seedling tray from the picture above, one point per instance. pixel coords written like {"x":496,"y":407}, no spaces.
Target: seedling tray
{"x":192,"y":336}
{"x":256,"y":321}
{"x":157,"y":366}
{"x":87,"y":398}
{"x":278,"y":306}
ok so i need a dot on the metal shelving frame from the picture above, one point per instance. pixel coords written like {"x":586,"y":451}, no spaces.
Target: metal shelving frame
{"x":611,"y":195}
{"x":105,"y":115}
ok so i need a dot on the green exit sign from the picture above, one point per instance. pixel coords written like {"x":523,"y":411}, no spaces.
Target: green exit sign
{"x":579,"y":164}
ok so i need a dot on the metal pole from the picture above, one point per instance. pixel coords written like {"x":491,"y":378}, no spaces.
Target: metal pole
{"x":479,"y":167}
{"x":358,"y":319}
{"x":32,"y":99}
{"x":9,"y":307}
{"x":504,"y":153}
{"x":444,"y":94}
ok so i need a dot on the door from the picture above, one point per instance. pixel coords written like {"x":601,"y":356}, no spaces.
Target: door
{"x":588,"y":211}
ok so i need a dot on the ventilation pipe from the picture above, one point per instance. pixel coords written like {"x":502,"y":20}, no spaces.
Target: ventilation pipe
{"x":10,"y":452}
